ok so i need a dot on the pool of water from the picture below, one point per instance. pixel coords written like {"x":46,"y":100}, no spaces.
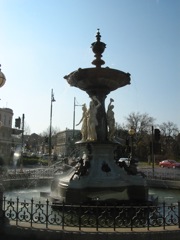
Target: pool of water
{"x":28,"y":194}
{"x":167,"y":195}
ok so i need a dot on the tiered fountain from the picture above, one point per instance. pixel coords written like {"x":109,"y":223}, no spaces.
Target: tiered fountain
{"x":99,"y":177}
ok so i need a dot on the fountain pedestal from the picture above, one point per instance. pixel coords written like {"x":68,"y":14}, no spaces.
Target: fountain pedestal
{"x":103,"y":181}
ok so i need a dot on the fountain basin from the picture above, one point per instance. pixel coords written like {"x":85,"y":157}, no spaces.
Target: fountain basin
{"x":106,"y":79}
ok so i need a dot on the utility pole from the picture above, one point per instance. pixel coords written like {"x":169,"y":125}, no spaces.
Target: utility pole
{"x":152,"y":150}
{"x":22,"y":142}
{"x":23,"y":117}
{"x":50,"y":133}
{"x":74,"y":114}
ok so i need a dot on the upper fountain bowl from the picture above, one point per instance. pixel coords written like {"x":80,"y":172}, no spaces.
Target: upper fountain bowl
{"x":101,"y":79}
{"x":96,"y":80}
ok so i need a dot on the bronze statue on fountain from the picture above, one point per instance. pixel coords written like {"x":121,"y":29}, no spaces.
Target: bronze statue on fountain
{"x":97,"y":175}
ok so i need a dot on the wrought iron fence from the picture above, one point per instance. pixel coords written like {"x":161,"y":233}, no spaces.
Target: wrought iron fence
{"x":96,"y":216}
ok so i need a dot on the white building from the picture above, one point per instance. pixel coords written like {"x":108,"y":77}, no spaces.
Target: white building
{"x":65,"y":143}
{"x":7,"y":141}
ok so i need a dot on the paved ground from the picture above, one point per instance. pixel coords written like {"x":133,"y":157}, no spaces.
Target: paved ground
{"x":37,"y":233}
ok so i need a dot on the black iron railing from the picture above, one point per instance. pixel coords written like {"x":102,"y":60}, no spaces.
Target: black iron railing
{"x":96,"y":216}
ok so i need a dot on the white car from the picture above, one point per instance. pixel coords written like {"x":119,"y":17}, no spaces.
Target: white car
{"x":126,"y":160}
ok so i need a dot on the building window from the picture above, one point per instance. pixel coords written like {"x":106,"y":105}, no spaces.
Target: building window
{"x":4,"y":120}
{"x":9,"y":122}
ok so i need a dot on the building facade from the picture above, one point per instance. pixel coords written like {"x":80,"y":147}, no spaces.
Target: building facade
{"x":9,"y":137}
{"x":65,"y":142}
{"x":6,"y":115}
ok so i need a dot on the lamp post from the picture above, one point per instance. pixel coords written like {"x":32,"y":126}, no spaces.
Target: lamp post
{"x":2,"y":82}
{"x":131,"y":133}
{"x":22,"y":147}
{"x":50,"y":127}
{"x":74,"y":114}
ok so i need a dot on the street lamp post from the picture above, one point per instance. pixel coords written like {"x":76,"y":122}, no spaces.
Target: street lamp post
{"x":131,"y":133}
{"x":22,"y":144}
{"x":50,"y":127}
{"x":74,"y":114}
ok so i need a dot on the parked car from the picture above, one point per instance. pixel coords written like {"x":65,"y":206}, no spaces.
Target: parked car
{"x":169,"y":164}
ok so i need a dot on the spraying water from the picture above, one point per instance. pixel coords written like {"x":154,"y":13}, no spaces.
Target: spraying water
{"x":16,"y":156}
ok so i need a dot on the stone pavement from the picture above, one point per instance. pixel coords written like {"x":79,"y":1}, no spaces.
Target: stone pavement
{"x":37,"y":232}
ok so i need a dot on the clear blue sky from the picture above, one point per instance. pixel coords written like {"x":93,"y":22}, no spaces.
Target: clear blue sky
{"x":44,"y":40}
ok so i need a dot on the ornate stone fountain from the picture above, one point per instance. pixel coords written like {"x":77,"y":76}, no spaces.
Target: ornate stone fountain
{"x":98,"y":177}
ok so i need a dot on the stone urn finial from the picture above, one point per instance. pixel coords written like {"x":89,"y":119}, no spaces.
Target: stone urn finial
{"x":98,"y":48}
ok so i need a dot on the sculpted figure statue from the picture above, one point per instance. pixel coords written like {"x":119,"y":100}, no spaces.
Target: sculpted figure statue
{"x":91,"y":119}
{"x":110,"y":120}
{"x":84,"y":123}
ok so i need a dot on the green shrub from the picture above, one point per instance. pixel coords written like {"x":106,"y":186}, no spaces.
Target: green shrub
{"x":43,"y":162}
{"x":30,"y":161}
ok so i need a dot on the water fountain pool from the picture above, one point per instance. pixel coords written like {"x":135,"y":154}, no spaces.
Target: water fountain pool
{"x":167,"y":195}
{"x":28,"y":193}
{"x":104,"y":182}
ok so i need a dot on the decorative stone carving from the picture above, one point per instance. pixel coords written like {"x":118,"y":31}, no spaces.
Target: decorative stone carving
{"x":84,"y":130}
{"x":92,"y":122}
{"x":110,"y":120}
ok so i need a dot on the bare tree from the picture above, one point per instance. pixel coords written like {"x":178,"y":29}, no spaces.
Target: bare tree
{"x":169,"y":139}
{"x":141,"y":123}
{"x":27,"y":129}
{"x":54,"y":131}
{"x":169,"y":129}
